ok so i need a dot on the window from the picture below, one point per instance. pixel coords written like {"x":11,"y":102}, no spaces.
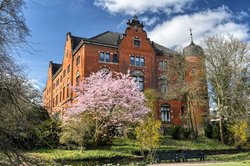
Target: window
{"x":163,"y":84}
{"x":104,"y":57}
{"x":165,"y":113}
{"x":142,"y":60}
{"x":61,"y":78}
{"x":67,"y":93}
{"x":66,"y":53}
{"x":78,"y":60}
{"x":107,"y":57}
{"x":77,"y":78}
{"x":64,"y":73}
{"x":57,"y":82}
{"x":63,"y":93}
{"x":137,"y":61}
{"x":68,"y":69}
{"x":138,"y":77}
{"x":60,"y":96}
{"x":56,"y":99}
{"x":115,"y":58}
{"x":137,"y":42}
{"x":163,"y":65}
{"x":163,"y":88}
{"x":132,"y":60}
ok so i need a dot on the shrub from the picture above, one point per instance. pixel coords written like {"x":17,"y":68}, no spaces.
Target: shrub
{"x":209,"y":131}
{"x":77,"y":131}
{"x":240,"y":134}
{"x":216,"y":131}
{"x":176,"y":132}
{"x":148,"y":136}
{"x":48,"y":133}
{"x":186,"y":132}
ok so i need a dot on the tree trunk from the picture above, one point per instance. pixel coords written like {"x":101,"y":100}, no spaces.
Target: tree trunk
{"x":220,"y":121}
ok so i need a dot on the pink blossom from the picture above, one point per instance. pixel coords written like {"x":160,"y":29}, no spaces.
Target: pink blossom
{"x":114,"y":97}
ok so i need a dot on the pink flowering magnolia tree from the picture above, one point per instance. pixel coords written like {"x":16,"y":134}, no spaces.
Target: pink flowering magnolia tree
{"x":111,"y":99}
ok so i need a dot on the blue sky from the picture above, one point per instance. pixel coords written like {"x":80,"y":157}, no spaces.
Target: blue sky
{"x":166,"y":21}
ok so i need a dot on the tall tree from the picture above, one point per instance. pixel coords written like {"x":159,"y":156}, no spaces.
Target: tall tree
{"x":228,"y":71}
{"x":113,"y":100}
{"x":184,"y":84}
{"x":13,"y":33}
{"x":17,"y":96}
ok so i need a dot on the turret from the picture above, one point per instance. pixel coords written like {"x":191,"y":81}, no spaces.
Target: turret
{"x":196,"y":83}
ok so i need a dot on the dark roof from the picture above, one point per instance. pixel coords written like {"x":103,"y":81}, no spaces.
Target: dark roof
{"x":111,"y":38}
{"x":55,"y":67}
{"x":161,"y":50}
{"x":193,"y":50}
{"x":76,"y":40}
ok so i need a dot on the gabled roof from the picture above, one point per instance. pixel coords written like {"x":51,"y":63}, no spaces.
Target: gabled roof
{"x":76,"y":40}
{"x":161,"y":50}
{"x":55,"y":67}
{"x":111,"y":38}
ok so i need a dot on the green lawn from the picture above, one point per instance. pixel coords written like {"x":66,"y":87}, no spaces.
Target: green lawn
{"x":122,"y":147}
{"x":49,"y":154}
{"x":202,"y":143}
{"x":231,"y":157}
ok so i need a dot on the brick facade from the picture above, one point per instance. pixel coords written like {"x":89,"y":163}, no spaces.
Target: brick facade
{"x":83,"y":56}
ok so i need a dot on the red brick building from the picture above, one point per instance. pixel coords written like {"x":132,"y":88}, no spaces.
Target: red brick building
{"x":111,"y":51}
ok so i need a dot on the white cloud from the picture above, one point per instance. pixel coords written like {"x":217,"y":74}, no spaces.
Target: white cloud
{"x":132,"y":7}
{"x":220,"y":21}
{"x":36,"y":84}
{"x":149,"y":21}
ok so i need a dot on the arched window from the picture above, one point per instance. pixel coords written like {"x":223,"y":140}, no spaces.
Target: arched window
{"x":165,"y":113}
{"x":138,"y":77}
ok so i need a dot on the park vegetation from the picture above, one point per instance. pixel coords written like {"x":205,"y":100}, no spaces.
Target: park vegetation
{"x":110,"y":111}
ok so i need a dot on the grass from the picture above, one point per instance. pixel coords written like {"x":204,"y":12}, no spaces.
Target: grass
{"x":202,"y":143}
{"x":57,"y":154}
{"x":122,"y":147}
{"x":231,"y":157}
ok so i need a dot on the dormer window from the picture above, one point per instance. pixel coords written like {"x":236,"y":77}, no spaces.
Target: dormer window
{"x":137,"y":42}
